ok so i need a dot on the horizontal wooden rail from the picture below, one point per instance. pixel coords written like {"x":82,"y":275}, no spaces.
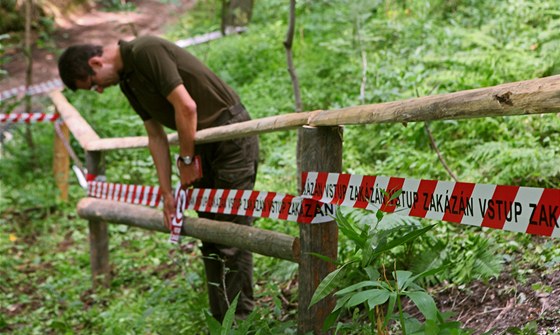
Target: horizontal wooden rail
{"x":77,"y":125}
{"x":525,"y":97}
{"x":261,"y":241}
{"x":242,"y":129}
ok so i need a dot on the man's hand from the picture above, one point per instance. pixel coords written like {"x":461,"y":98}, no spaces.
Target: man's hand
{"x":189,"y":173}
{"x":168,"y":210}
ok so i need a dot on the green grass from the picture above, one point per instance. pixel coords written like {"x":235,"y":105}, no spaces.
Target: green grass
{"x":413,"y":48}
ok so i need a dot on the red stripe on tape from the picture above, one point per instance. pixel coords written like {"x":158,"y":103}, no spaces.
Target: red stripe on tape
{"x":545,"y":213}
{"x":497,"y":208}
{"x":394,"y":185}
{"x":251,"y":203}
{"x":210,"y":200}
{"x":236,"y":202}
{"x":199,"y":199}
{"x":223,"y":200}
{"x":285,"y":209}
{"x":268,"y":204}
{"x":368,"y":184}
{"x":425,"y":192}
{"x":341,"y":187}
{"x":461,"y":191}
{"x":307,"y":210}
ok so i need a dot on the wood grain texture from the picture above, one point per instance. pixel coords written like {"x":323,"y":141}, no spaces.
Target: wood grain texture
{"x":78,"y":126}
{"x":321,"y":150}
{"x":261,"y":241}
{"x":524,"y":97}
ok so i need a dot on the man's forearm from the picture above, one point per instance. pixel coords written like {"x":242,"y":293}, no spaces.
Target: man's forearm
{"x":185,"y":120}
{"x":160,"y":153}
{"x":159,"y":149}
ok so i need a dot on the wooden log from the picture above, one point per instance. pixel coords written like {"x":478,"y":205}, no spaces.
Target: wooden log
{"x":61,"y":162}
{"x":322,"y":149}
{"x":79,"y":127}
{"x":98,"y":231}
{"x":264,"y":242}
{"x":524,"y":97}
{"x":216,"y":134}
{"x":204,"y":38}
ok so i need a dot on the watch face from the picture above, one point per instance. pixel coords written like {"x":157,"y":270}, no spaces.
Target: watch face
{"x":186,"y":159}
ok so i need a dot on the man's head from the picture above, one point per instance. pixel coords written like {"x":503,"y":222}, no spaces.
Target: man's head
{"x":73,"y":64}
{"x":86,"y":67}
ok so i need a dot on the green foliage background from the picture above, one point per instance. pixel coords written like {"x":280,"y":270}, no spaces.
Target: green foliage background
{"x":412,"y":48}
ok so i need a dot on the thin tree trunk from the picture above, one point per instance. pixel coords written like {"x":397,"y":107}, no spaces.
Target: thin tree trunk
{"x":436,"y":149}
{"x":29,"y":71}
{"x":295,"y":82}
{"x":236,"y":13}
{"x":288,"y":45}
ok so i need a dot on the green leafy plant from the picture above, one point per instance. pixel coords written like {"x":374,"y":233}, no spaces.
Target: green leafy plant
{"x":410,"y":47}
{"x":528,"y":329}
{"x":229,"y":319}
{"x":383,"y":292}
{"x":375,"y":293}
{"x":478,"y":255}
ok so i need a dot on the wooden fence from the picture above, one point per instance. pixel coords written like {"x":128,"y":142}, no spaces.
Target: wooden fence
{"x":321,"y":137}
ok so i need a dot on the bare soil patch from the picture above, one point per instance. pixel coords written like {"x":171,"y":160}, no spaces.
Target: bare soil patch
{"x":505,"y":303}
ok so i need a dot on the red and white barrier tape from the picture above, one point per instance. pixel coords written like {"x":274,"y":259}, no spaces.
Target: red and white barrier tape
{"x":28,"y":117}
{"x":132,"y":194}
{"x":232,"y":202}
{"x":259,"y":204}
{"x":514,"y":208}
{"x":48,"y":86}
{"x":178,"y":218}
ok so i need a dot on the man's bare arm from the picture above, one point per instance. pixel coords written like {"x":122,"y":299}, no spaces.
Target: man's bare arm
{"x":185,"y":120}
{"x":159,"y":149}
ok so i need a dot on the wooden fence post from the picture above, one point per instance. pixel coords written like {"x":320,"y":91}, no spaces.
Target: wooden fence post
{"x":98,"y":230}
{"x":321,"y":150}
{"x":61,"y":161}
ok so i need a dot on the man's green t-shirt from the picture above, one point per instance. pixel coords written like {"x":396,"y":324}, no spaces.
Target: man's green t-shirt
{"x":153,"y":67}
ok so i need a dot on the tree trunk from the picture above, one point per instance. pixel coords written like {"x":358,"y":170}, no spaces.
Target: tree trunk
{"x":29,"y":71}
{"x":261,"y":241}
{"x":236,"y":13}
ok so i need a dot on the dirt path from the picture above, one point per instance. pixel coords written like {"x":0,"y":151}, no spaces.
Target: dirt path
{"x":95,"y":26}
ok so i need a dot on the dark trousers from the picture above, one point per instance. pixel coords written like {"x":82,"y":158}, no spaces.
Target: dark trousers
{"x":229,"y":164}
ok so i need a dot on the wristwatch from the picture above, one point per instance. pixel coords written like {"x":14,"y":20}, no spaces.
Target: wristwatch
{"x":187,"y":160}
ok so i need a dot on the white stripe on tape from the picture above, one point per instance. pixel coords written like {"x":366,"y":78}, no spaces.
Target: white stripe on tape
{"x":51,"y":85}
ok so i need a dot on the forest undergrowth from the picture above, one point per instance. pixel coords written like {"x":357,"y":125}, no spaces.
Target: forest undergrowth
{"x":346,"y":53}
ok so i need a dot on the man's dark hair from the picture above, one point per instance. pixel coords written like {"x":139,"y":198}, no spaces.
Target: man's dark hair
{"x":73,"y":63}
